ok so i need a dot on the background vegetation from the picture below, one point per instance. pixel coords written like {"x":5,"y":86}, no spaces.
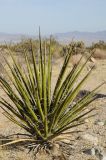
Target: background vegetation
{"x":57,"y":49}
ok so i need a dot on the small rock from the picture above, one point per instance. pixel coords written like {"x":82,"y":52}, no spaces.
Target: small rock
{"x":55,"y":150}
{"x":99,"y":152}
{"x":57,"y":145}
{"x":104,"y":155}
{"x":67,"y":141}
{"x":90,"y":151}
{"x":90,"y":138}
{"x":87,"y":120}
{"x":70,"y":157}
{"x":100,"y":123}
{"x":73,"y":103}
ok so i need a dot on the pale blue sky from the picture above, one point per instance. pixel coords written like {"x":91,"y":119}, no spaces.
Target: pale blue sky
{"x":24,"y":16}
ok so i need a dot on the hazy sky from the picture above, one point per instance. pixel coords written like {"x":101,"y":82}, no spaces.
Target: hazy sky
{"x":24,"y":16}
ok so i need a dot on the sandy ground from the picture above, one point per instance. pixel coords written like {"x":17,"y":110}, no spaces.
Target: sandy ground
{"x":78,"y":145}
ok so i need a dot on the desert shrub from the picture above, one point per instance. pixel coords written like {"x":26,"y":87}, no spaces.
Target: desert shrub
{"x":79,"y":48}
{"x":24,"y":45}
{"x":99,"y":45}
{"x":41,"y":113}
{"x":3,"y":46}
{"x":99,"y":49}
{"x":100,"y":54}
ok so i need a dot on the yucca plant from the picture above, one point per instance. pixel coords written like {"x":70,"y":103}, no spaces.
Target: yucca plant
{"x":42,"y":113}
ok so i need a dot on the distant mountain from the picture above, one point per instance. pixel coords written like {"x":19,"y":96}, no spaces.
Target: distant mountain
{"x":87,"y":37}
{"x":12,"y":38}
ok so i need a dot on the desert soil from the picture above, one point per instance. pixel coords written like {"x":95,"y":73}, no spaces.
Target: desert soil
{"x":86,"y":145}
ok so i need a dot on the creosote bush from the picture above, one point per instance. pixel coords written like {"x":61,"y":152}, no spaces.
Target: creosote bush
{"x":42,"y":114}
